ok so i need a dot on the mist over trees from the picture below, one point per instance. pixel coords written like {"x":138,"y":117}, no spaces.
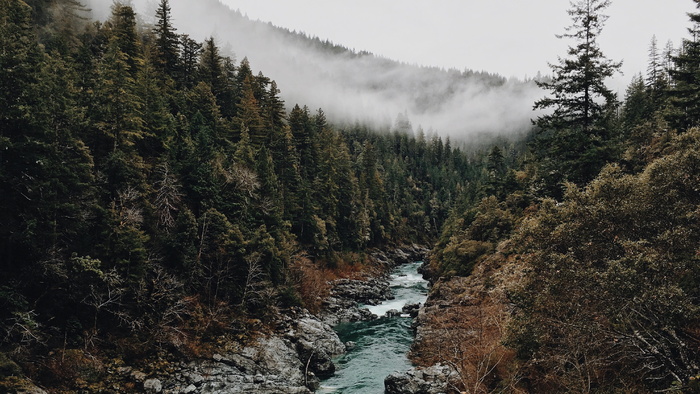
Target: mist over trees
{"x":354,"y":86}
{"x":160,"y":197}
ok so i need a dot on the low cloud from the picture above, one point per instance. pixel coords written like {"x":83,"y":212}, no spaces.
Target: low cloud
{"x":354,"y":87}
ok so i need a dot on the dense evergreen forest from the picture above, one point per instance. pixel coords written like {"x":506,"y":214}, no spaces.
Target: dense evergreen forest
{"x":157,"y":196}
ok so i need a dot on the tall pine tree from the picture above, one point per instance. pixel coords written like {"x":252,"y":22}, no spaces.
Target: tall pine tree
{"x":685,"y":96}
{"x":167,"y":51}
{"x":573,"y":137}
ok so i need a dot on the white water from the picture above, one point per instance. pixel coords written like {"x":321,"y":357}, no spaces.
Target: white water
{"x":407,"y":285}
{"x":381,"y":345}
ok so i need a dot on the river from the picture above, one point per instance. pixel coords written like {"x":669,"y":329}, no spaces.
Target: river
{"x":381,"y":345}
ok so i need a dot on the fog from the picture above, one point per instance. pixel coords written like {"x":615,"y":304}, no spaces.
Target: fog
{"x":352,"y":87}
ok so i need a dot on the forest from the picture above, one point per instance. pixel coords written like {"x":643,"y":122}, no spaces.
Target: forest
{"x":160,"y":198}
{"x":157,"y":194}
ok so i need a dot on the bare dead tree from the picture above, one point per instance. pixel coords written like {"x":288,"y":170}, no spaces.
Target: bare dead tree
{"x":126,"y":206}
{"x":168,"y":195}
{"x":252,"y":290}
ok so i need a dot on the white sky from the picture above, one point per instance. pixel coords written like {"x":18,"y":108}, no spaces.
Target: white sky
{"x":514,"y":38}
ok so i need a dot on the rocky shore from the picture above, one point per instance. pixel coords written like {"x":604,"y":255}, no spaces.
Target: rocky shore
{"x":346,"y":294}
{"x":435,"y":379}
{"x":293,"y":359}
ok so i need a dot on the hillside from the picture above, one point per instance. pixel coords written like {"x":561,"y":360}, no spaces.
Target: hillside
{"x":357,"y":86}
{"x":168,"y":208}
{"x":160,"y":201}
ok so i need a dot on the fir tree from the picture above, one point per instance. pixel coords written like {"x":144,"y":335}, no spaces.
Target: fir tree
{"x":167,"y":52}
{"x":685,"y":96}
{"x":189,"y":60}
{"x":574,"y":135}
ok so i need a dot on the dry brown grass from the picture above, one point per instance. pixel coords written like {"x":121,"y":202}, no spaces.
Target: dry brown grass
{"x":468,"y":338}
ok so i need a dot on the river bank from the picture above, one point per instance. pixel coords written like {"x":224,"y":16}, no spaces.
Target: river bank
{"x":292,"y":355}
{"x":300,"y":352}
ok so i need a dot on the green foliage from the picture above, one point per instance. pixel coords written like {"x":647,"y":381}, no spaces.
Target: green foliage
{"x":574,"y":139}
{"x":167,"y":51}
{"x":143,"y":176}
{"x":685,"y":112}
{"x":613,"y":280}
{"x":472,"y":237}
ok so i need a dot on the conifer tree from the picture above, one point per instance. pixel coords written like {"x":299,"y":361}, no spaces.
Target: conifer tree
{"x":348,"y":222}
{"x":248,"y":114}
{"x":211,"y":67}
{"x":638,"y":103}
{"x":270,"y":196}
{"x":123,"y":34}
{"x":573,"y":136}
{"x":244,"y":72}
{"x":120,"y":119}
{"x":19,"y":60}
{"x":158,"y":122}
{"x":227,"y":97}
{"x":657,"y":80}
{"x":301,"y":126}
{"x":189,"y":60}
{"x":579,"y":80}
{"x":167,"y":51}
{"x":274,"y":119}
{"x":685,"y":96}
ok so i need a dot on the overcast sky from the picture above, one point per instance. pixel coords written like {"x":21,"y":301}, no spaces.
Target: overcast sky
{"x":510,"y":37}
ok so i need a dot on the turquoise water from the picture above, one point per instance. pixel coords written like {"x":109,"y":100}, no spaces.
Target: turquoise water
{"x":381,"y":345}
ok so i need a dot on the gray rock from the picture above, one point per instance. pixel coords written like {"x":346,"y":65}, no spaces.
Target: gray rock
{"x":138,"y":376}
{"x":411,"y":309}
{"x":392,"y":313}
{"x":320,"y":335}
{"x":266,"y":366}
{"x":432,"y":380}
{"x":190,"y":389}
{"x":153,"y":386}
{"x":194,"y":377}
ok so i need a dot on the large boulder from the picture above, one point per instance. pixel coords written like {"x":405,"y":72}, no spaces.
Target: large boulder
{"x":317,"y":344}
{"x":266,"y":366}
{"x":432,"y":380}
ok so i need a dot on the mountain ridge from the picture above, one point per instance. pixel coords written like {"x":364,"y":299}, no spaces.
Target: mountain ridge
{"x":357,"y":86}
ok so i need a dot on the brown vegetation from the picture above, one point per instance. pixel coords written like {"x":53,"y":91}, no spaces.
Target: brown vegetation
{"x":463,"y":326}
{"x":311,"y":278}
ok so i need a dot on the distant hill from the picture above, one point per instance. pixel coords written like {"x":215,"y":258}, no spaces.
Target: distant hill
{"x":357,"y":86}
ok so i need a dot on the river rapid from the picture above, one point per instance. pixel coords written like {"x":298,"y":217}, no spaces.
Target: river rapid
{"x":382,"y":344}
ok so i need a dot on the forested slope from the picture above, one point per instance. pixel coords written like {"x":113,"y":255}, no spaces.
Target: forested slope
{"x":157,"y":196}
{"x":582,"y":264}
